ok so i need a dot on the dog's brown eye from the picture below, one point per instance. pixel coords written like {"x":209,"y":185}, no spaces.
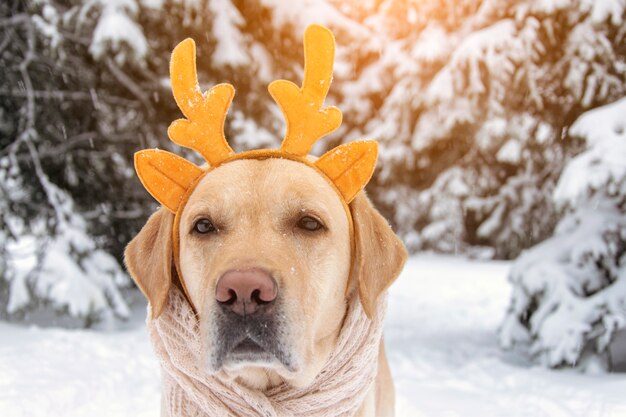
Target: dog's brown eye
{"x":204,"y":226}
{"x":310,"y":224}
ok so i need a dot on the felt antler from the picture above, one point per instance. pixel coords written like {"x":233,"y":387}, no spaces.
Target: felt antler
{"x":203,"y":128}
{"x":165,"y":175}
{"x":169,"y":177}
{"x":349,"y":166}
{"x":307,"y":120}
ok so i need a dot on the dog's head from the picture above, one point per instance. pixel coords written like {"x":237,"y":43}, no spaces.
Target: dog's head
{"x":265,"y":256}
{"x":268,"y":245}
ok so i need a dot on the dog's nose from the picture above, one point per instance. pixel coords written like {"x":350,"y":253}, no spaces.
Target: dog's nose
{"x":244,"y":292}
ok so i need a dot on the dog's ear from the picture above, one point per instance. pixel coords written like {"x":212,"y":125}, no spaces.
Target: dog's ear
{"x":379,"y":253}
{"x":148,"y":258}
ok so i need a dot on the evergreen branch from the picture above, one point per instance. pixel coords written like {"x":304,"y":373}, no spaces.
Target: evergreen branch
{"x":6,"y":41}
{"x":130,"y":85}
{"x":15,"y":20}
{"x":64,"y":95}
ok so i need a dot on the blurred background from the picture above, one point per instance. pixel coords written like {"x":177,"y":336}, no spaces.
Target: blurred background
{"x":502,"y":132}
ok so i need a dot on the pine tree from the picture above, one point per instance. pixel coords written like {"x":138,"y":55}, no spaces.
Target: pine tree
{"x":85,"y":86}
{"x":471,"y":101}
{"x":569,"y":292}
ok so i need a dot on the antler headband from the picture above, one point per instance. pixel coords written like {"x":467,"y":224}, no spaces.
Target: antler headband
{"x":170,"y":179}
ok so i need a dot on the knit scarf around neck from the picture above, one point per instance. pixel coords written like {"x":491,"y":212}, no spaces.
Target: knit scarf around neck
{"x":338,"y":390}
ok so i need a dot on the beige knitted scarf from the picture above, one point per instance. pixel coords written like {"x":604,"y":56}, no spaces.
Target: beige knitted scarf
{"x":190,"y":391}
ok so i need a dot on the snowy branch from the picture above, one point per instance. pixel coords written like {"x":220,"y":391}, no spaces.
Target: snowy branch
{"x":130,"y":85}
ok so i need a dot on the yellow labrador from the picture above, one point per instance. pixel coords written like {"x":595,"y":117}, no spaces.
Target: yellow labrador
{"x":269,"y":239}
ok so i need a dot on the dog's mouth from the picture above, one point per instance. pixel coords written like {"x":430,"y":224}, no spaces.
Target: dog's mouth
{"x":251,"y":341}
{"x":249,"y":351}
{"x":247,"y":347}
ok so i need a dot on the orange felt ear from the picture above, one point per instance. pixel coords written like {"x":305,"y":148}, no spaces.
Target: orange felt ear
{"x":166,"y":176}
{"x":350,"y":166}
{"x":203,"y":128}
{"x":307,"y":120}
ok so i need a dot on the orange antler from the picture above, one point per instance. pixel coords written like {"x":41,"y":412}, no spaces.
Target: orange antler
{"x":307,"y":120}
{"x":203,"y":128}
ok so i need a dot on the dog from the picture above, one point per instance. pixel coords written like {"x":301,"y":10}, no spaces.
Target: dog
{"x":267,"y":241}
{"x":273,"y":250}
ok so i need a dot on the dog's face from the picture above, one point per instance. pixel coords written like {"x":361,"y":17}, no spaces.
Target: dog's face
{"x":277,"y":223}
{"x":265,"y":257}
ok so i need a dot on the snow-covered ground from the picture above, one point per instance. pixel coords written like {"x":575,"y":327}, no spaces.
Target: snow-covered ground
{"x":441,"y":341}
{"x":441,"y":335}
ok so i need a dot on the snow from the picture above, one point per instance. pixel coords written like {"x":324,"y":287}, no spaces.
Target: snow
{"x":152,"y":4}
{"x":47,"y":24}
{"x":230,"y":49}
{"x":55,"y":372}
{"x":441,"y":343}
{"x":550,"y":6}
{"x":65,"y":273}
{"x":486,"y":90}
{"x":432,"y":45}
{"x":571,"y":289}
{"x":482,"y":47}
{"x":604,"y":130}
{"x":249,"y":133}
{"x":510,"y":152}
{"x":305,"y":12}
{"x":602,"y":10}
{"x":569,"y":292}
{"x":118,"y":34}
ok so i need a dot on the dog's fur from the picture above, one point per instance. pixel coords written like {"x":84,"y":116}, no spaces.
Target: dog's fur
{"x":255,"y":206}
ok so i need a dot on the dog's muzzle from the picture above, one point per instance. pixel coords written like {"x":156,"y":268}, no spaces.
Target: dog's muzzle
{"x":249,"y":339}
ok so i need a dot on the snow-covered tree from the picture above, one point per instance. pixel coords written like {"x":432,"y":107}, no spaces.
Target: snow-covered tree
{"x":569,"y":292}
{"x":84,"y":85}
{"x":470,"y":101}
{"x":60,"y":146}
